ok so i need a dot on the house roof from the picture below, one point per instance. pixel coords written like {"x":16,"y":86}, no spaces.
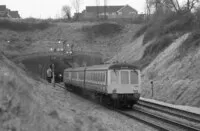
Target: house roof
{"x":100,"y":9}
{"x":2,"y":7}
{"x":109,"y":9}
{"x":14,"y":14}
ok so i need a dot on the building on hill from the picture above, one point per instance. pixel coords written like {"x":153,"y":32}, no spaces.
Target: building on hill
{"x":111,"y":12}
{"x":14,"y":14}
{"x":7,"y":13}
{"x":3,"y":11}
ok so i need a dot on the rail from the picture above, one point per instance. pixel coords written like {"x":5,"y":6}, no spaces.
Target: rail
{"x":156,"y":121}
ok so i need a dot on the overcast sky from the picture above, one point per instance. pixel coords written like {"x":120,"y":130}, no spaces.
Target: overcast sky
{"x":52,"y":8}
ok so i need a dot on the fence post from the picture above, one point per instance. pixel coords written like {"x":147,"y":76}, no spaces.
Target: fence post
{"x":152,"y":87}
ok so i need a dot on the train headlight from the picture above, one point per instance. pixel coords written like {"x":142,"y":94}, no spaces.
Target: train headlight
{"x":114,"y":94}
{"x":114,"y":91}
{"x":60,"y":75}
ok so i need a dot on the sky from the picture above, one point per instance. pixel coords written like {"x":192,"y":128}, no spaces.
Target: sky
{"x":52,"y":8}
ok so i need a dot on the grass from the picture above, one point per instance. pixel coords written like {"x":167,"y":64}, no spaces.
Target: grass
{"x":165,"y":29}
{"x":154,"y":49}
{"x":171,"y":23}
{"x":103,"y":29}
{"x":140,"y":31}
{"x":190,"y":44}
{"x":24,"y":24}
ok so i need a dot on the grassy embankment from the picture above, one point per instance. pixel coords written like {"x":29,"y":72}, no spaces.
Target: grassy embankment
{"x":165,"y":30}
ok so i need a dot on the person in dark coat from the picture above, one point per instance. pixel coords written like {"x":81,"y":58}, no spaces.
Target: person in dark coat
{"x":49,"y":74}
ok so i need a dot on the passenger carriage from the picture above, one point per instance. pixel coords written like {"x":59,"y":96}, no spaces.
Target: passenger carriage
{"x":112,"y":83}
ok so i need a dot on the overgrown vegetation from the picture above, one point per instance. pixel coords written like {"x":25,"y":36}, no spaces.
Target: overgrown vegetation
{"x":192,"y":43}
{"x":154,"y":49}
{"x":28,"y":24}
{"x":163,"y":29}
{"x":103,"y":29}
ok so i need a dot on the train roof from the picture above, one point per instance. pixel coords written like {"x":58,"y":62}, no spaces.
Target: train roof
{"x":117,"y":66}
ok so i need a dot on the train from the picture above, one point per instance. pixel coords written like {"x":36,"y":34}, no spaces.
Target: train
{"x":117,"y":84}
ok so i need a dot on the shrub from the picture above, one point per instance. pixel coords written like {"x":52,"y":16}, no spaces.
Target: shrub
{"x":103,"y":29}
{"x":181,"y":24}
{"x":169,"y":23}
{"x":190,"y":44}
{"x":154,"y":49}
{"x":141,"y":31}
{"x":159,"y":45}
{"x":24,"y":24}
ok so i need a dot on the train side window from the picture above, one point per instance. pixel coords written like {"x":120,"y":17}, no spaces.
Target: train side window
{"x":95,"y":76}
{"x":67,"y":74}
{"x":100,"y":76}
{"x":92,"y":76}
{"x":80,"y":75}
{"x":114,"y":76}
{"x":87,"y":76}
{"x":104,"y":77}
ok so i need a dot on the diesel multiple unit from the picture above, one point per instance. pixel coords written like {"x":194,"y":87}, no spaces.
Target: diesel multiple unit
{"x":116,"y":84}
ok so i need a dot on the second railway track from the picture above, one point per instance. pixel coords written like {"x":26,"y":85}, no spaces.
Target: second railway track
{"x":143,"y":113}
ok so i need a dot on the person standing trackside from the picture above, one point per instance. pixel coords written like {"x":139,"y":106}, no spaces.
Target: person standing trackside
{"x":49,"y":74}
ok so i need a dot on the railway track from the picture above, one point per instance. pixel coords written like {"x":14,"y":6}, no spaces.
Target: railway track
{"x":185,"y":116}
{"x":161,"y":117}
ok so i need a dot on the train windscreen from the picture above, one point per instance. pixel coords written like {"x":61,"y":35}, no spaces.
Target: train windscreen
{"x":114,"y":76}
{"x":124,"y":77}
{"x":134,"y":77}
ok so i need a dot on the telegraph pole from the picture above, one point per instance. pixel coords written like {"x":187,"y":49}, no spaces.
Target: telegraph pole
{"x":97,"y":4}
{"x":105,"y":6}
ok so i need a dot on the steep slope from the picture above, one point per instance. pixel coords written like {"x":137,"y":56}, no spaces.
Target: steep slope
{"x":175,"y":80}
{"x":131,"y":52}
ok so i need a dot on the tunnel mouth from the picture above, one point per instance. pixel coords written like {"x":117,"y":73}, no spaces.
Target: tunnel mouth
{"x":38,"y":65}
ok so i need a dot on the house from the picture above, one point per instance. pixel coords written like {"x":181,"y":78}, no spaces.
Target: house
{"x":14,"y":14}
{"x":7,"y":13}
{"x":3,"y":11}
{"x":95,"y":12}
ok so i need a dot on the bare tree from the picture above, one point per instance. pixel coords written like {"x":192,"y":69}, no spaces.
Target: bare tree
{"x":66,"y":10}
{"x":148,"y":8}
{"x":155,"y":6}
{"x":174,"y":4}
{"x":76,"y":5}
{"x":187,"y":6}
{"x":190,"y":4}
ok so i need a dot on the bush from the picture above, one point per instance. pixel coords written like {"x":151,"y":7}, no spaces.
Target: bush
{"x":141,"y":31}
{"x":103,"y":29}
{"x":169,"y":23}
{"x":24,"y":24}
{"x":190,"y":44}
{"x":181,"y":24}
{"x":154,"y":49}
{"x":158,"y":46}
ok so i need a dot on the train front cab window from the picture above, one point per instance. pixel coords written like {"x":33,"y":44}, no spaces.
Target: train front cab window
{"x":114,"y":76}
{"x":124,"y":77}
{"x":134,"y":77}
